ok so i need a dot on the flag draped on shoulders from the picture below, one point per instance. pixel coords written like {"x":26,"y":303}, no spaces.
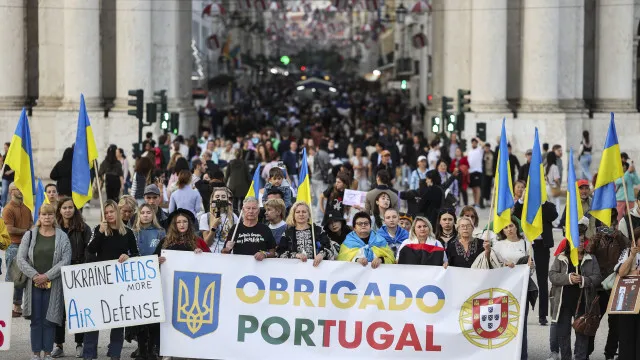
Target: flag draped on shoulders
{"x":574,"y":211}
{"x":20,"y":159}
{"x":400,"y":236}
{"x":254,"y":188}
{"x":354,"y":246}
{"x":85,"y":153}
{"x":604,"y":194}
{"x":304,"y":189}
{"x":503,"y":196}
{"x":535,"y":194}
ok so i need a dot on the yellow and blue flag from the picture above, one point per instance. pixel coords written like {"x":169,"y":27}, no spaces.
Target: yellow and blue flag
{"x":304,"y":189}
{"x":574,"y":211}
{"x":604,"y":194}
{"x":503,"y":186}
{"x":20,"y":159}
{"x":41,"y":198}
{"x":85,"y":152}
{"x":535,"y":194}
{"x":254,"y":189}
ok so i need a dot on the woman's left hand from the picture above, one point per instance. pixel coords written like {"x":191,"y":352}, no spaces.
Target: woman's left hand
{"x":376,"y":262}
{"x":317,"y":260}
{"x":123,"y":258}
{"x":197,"y":251}
{"x":510,"y":264}
{"x":445,"y":265}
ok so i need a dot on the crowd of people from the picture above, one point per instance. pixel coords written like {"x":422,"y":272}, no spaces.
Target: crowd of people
{"x":187,"y":195}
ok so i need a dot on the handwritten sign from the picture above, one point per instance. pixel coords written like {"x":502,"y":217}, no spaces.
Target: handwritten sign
{"x":354,"y":198}
{"x":6,"y":305}
{"x":109,"y":294}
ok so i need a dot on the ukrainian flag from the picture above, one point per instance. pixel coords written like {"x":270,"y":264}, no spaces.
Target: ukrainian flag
{"x":304,"y":189}
{"x":254,"y":189}
{"x":503,"y":186}
{"x":20,"y":159}
{"x":534,"y":195}
{"x":574,"y":211}
{"x":604,"y":195}
{"x":41,"y":198}
{"x":85,"y":153}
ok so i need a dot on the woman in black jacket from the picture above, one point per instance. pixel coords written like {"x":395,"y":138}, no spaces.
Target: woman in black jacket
{"x":71,"y":222}
{"x":431,"y":197}
{"x":297,"y":242}
{"x":238,"y":179}
{"x":61,"y":173}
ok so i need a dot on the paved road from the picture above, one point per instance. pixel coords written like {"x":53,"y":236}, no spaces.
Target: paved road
{"x":538,"y":335}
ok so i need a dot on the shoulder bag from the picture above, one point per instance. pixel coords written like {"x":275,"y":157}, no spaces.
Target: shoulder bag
{"x":15,"y":274}
{"x":587,"y":324}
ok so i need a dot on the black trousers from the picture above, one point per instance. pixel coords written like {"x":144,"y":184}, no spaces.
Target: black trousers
{"x":485,"y":188}
{"x":148,"y":337}
{"x":60,"y":333}
{"x":629,"y":336}
{"x":611,"y":347}
{"x":541,"y":258}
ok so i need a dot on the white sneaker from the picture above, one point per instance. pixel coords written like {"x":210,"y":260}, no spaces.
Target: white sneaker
{"x":554,"y":356}
{"x":47,"y":357}
{"x":79,"y":350}
{"x":35,"y":357}
{"x":57,"y":352}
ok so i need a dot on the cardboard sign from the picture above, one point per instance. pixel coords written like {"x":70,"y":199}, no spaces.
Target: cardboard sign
{"x":109,"y":294}
{"x":624,"y":295}
{"x":6,"y":305}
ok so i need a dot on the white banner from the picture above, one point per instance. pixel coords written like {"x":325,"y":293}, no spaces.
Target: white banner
{"x":6,"y":306}
{"x":234,"y":307}
{"x":109,"y":294}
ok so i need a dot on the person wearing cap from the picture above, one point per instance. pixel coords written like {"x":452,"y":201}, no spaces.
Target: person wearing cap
{"x":153,"y":198}
{"x":18,"y":220}
{"x":405,"y":221}
{"x":419,"y":174}
{"x":631,"y":179}
{"x":585,"y":199}
{"x":523,"y":173}
{"x":181,"y":235}
{"x":336,"y":228}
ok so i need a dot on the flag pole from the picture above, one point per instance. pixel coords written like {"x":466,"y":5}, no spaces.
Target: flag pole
{"x":313,"y":233}
{"x":626,"y":201}
{"x":235,"y":230}
{"x":95,"y":166}
{"x":486,"y":234}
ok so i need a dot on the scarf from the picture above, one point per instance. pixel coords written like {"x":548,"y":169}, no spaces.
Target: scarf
{"x":377,"y":247}
{"x":401,"y":235}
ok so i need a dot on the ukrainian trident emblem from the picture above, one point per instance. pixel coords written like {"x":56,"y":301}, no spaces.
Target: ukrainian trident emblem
{"x":196,"y":303}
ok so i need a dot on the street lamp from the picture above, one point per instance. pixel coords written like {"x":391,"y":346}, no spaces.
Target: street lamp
{"x":401,"y":14}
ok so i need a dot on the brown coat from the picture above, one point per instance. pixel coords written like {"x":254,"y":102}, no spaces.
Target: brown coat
{"x":607,"y":249}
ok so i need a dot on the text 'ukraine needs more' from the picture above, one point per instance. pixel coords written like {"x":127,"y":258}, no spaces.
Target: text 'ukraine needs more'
{"x":109,"y":294}
{"x":234,"y":307}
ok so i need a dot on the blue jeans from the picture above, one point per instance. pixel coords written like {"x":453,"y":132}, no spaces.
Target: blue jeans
{"x":5,"y":192}
{"x":585,"y":164}
{"x":42,"y":330}
{"x":116,"y":340}
{"x":10,"y":255}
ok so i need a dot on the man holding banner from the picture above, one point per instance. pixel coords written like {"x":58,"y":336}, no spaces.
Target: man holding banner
{"x":250,"y":237}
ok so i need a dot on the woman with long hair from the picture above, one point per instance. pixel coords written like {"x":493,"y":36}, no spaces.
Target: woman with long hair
{"x":393,"y":234}
{"x":334,"y":195}
{"x":185,"y":196}
{"x":181,"y":165}
{"x":112,"y":175}
{"x":128,"y":207}
{"x":262,"y":154}
{"x":181,"y":235}
{"x":43,"y":252}
{"x":421,"y":248}
{"x":79,"y":233}
{"x":122,"y":157}
{"x":172,"y":162}
{"x":111,"y":240}
{"x":431,"y":196}
{"x":297,"y":242}
{"x":459,"y":167}
{"x":383,"y":202}
{"x":142,"y":176}
{"x":219,"y":221}
{"x":360,"y":164}
{"x":446,"y":226}
{"x":585,"y":156}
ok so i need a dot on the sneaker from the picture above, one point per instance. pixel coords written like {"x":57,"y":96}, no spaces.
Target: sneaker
{"x":47,"y":357}
{"x":554,"y":356}
{"x":36,"y":357}
{"x":543,"y":321}
{"x":57,"y":352}
{"x":79,"y":350}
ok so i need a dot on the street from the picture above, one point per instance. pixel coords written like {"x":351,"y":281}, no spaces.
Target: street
{"x":538,"y":336}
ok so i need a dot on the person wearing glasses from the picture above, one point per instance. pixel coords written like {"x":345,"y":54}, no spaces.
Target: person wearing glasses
{"x":363,"y":246}
{"x":421,"y":248}
{"x":446,"y":226}
{"x":463,"y":250}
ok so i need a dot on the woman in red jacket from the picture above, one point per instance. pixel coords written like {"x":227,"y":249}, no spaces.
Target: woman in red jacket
{"x":460,"y":167}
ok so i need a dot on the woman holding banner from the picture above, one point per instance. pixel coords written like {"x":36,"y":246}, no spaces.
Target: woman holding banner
{"x":181,"y":235}
{"x":298,"y":240}
{"x":111,"y":240}
{"x":463,"y":250}
{"x":363,"y":246}
{"x":44,"y":250}
{"x":421,"y":248}
{"x":71,"y":222}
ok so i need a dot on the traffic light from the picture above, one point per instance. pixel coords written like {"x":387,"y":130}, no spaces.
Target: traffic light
{"x":303,"y":68}
{"x":160,"y":97}
{"x":165,"y":124}
{"x":152,"y":113}
{"x":447,"y":105}
{"x":435,"y":124}
{"x":403,"y":85}
{"x":452,"y":124}
{"x":138,"y":103}
{"x":175,"y":122}
{"x":463,"y":102}
{"x":285,"y":60}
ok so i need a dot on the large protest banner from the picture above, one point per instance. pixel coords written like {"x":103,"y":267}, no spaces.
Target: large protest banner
{"x":234,"y":307}
{"x":109,"y":294}
{"x":6,"y":305}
